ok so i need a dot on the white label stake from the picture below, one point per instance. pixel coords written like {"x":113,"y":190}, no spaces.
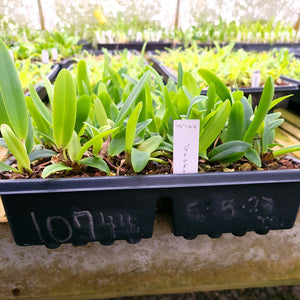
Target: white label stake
{"x":185,"y":146}
{"x":45,"y":57}
{"x":54,"y":54}
{"x":255,"y":79}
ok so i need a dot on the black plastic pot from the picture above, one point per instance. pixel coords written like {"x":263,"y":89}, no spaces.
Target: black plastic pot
{"x":236,"y":203}
{"x":79,"y":210}
{"x":291,"y":86}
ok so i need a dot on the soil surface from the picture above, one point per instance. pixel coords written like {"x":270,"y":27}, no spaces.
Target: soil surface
{"x":118,"y":167}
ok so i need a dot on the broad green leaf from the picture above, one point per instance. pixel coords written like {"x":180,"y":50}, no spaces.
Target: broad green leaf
{"x":139,"y":159}
{"x":248,"y":113}
{"x":235,"y":127}
{"x":82,"y":111}
{"x":40,"y":106}
{"x":182,"y":102}
{"x":8,"y":168}
{"x":117,"y":144}
{"x":211,"y":99}
{"x":64,"y":108}
{"x":221,"y":89}
{"x":74,"y":146}
{"x":83,"y":81}
{"x":180,"y":76}
{"x":41,"y":153}
{"x":131,"y":99}
{"x":29,"y":142}
{"x":12,"y":99}
{"x":16,"y":147}
{"x":169,"y":105}
{"x":214,"y":127}
{"x":189,"y":82}
{"x":51,"y":169}
{"x":151,"y":144}
{"x":131,"y":128}
{"x":229,"y":152}
{"x":149,"y":108}
{"x":95,"y":162}
{"x":41,"y":123}
{"x":100,"y":112}
{"x":253,"y":157}
{"x":237,"y":95}
{"x":262,"y":110}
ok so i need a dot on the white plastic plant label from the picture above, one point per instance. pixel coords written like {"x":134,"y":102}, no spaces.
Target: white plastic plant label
{"x":185,"y":146}
{"x":45,"y":57}
{"x":54,"y":54}
{"x":255,"y":79}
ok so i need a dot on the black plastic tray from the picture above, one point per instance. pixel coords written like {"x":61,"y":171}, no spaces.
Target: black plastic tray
{"x":41,"y":90}
{"x":151,"y":46}
{"x":291,"y":87}
{"x":104,"y":209}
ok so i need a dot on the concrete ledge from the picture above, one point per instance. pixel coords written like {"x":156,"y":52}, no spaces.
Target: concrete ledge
{"x":162,"y":264}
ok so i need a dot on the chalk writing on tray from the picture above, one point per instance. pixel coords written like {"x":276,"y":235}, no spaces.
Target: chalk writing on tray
{"x":228,"y":209}
{"x":84,"y":226}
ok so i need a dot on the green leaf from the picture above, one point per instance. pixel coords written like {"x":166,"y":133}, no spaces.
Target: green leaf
{"x":82,"y":111}
{"x":211,"y":99}
{"x":151,"y":144}
{"x":16,"y":147}
{"x":51,"y":169}
{"x":83,"y":82}
{"x":262,"y":110}
{"x":131,"y":99}
{"x":64,"y":108}
{"x":12,"y":101}
{"x":131,"y":128}
{"x":40,"y":106}
{"x":117,"y":144}
{"x":253,"y":156}
{"x":94,"y":140}
{"x":213,"y":127}
{"x":100,"y":112}
{"x":235,"y":127}
{"x":189,"y":82}
{"x":180,"y":76}
{"x":278,"y":100}
{"x":95,"y":162}
{"x":40,"y":153}
{"x":74,"y":146}
{"x":286,"y":150}
{"x":41,"y":123}
{"x":139,"y":159}
{"x":221,"y":89}
{"x":8,"y":168}
{"x":229,"y":152}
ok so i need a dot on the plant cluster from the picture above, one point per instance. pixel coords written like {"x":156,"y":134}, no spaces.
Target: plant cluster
{"x":114,"y":124}
{"x":30,"y":72}
{"x":29,"y":44}
{"x":235,"y":68}
{"x":123,"y":62}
